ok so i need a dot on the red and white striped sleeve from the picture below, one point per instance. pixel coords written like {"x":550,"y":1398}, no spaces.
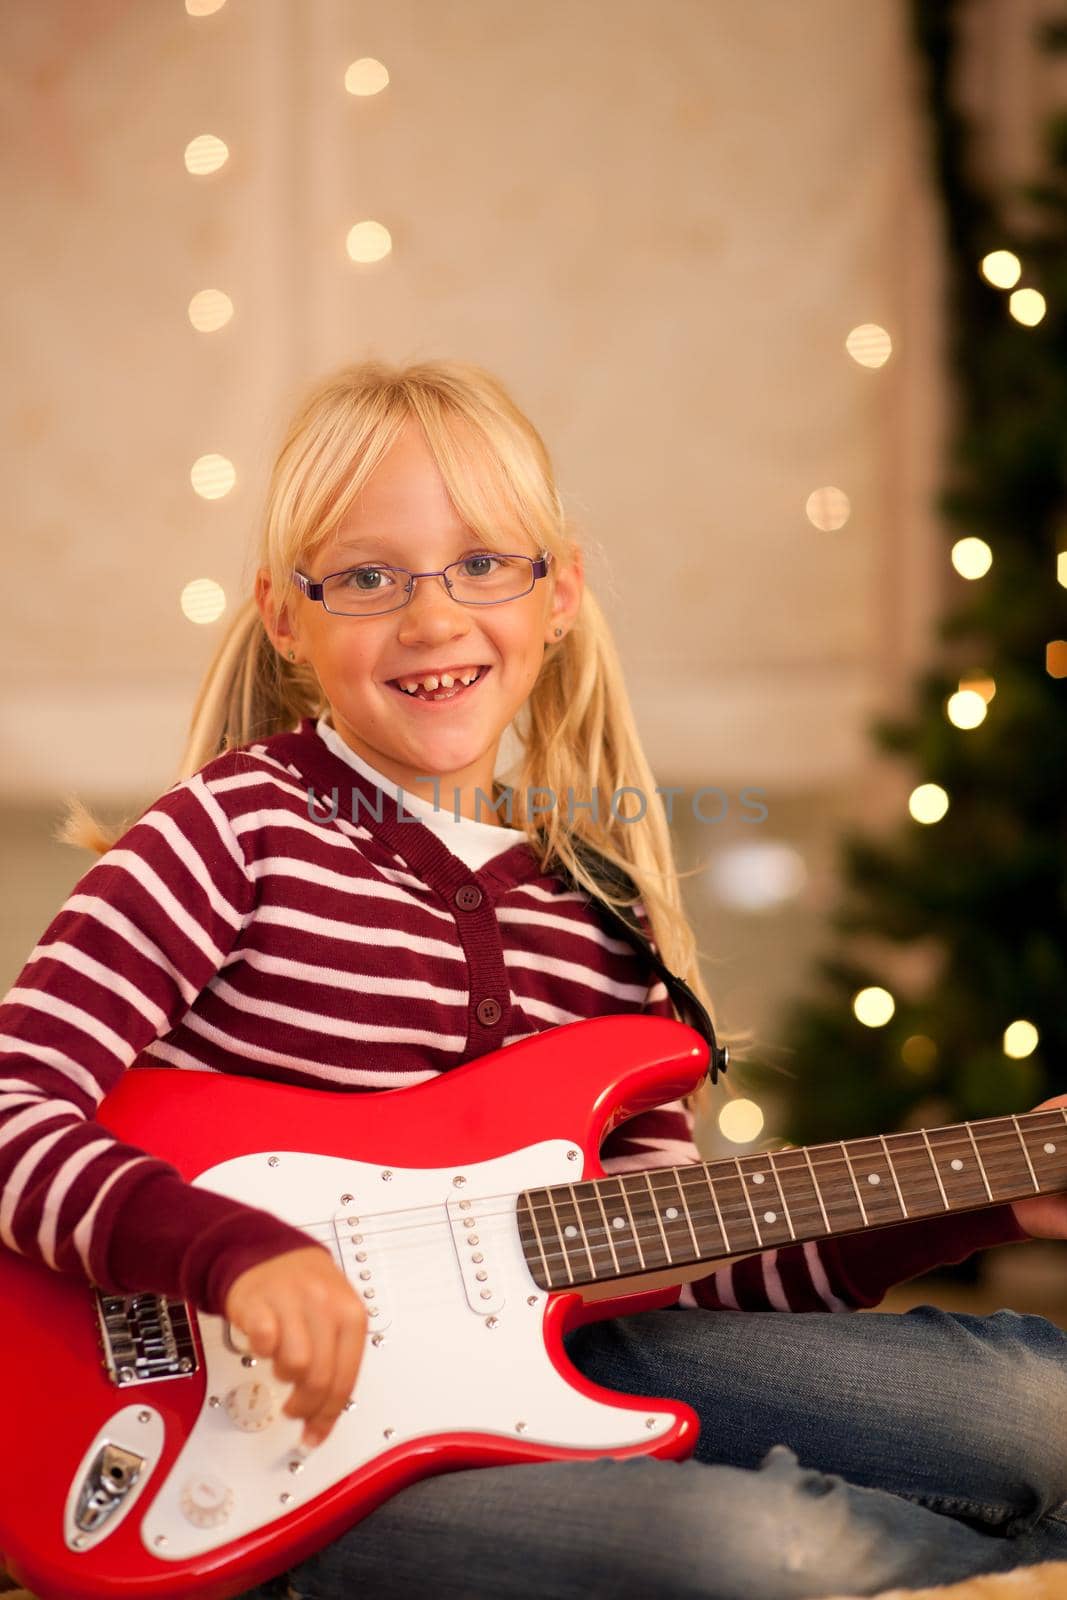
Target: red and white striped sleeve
{"x":141,"y":934}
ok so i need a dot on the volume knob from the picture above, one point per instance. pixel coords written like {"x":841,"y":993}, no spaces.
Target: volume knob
{"x":206,"y":1501}
{"x":250,"y":1406}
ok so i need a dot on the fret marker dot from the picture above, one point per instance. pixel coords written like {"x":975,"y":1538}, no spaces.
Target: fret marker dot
{"x":872,"y":1177}
{"x":670,"y":1213}
{"x":770,"y":1216}
{"x":758,"y":1177}
{"x":1049,"y":1149}
{"x":618,"y":1222}
{"x":571,"y":1231}
{"x":957,"y":1166}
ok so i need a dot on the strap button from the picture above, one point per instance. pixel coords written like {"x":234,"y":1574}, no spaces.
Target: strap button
{"x":489,"y":1012}
{"x":468,"y":897}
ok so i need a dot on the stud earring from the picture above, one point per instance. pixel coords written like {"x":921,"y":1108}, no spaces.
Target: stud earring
{"x":292,"y":655}
{"x":559,"y":633}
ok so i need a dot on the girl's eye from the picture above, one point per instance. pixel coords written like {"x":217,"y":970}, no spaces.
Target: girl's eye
{"x":478,"y":566}
{"x":354,"y":578}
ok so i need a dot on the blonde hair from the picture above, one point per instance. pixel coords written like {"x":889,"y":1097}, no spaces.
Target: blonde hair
{"x":577,"y":731}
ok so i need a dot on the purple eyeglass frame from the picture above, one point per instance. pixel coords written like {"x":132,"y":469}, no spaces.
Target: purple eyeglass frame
{"x":314,"y":591}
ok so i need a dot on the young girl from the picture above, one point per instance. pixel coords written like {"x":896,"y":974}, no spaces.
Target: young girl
{"x":419,"y":591}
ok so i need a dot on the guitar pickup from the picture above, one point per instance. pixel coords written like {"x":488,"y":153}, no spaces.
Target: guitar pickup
{"x":483,"y":1287}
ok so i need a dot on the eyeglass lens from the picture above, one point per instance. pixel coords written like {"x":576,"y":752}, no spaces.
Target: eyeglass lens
{"x":476,"y":580}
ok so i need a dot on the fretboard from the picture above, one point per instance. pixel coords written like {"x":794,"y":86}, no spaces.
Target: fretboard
{"x":619,"y":1227}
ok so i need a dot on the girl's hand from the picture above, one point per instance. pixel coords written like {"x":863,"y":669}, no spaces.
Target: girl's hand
{"x":1044,"y":1215}
{"x":299,"y":1310}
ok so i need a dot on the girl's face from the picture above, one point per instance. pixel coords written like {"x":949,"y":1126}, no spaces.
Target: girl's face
{"x":404,"y":517}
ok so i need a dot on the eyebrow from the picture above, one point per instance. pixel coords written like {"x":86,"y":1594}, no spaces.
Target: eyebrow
{"x":385,"y":541}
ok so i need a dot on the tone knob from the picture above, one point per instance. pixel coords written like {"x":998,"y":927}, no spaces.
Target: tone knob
{"x":206,"y":1501}
{"x":250,"y":1406}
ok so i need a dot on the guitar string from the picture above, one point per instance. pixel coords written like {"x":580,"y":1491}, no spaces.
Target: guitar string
{"x":732,"y":1209}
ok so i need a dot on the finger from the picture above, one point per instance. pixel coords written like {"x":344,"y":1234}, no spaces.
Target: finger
{"x":348,"y":1353}
{"x":261,"y":1330}
{"x":314,"y":1384}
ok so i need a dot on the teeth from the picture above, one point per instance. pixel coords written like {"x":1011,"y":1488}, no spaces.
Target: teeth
{"x":446,"y":681}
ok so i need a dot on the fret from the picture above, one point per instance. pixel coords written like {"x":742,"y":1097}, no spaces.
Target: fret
{"x":624,"y":1239}
{"x":593,"y":1230}
{"x":893,"y":1171}
{"x":707,"y":1226}
{"x":732,"y":1207}
{"x":781,"y":1194}
{"x":796,"y":1177}
{"x":855,"y":1185}
{"x":654,"y":1208}
{"x":748,"y":1202}
{"x":818,"y":1191}
{"x":562,"y":1241}
{"x":673,"y":1215}
{"x":772,"y":1225}
{"x":1047,"y":1148}
{"x":978,"y":1158}
{"x":837,"y":1189}
{"x":933,"y":1163}
{"x":875,"y":1180}
{"x":607,"y":1228}
{"x":718,"y":1213}
{"x":1026,"y":1153}
{"x":530,"y":1235}
{"x":960,"y":1172}
{"x":646,"y":1229}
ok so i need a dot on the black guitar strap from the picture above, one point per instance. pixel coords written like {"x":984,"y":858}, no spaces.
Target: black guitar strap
{"x":621,"y":920}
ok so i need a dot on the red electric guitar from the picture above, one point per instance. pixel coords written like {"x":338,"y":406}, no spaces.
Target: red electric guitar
{"x":144,"y":1450}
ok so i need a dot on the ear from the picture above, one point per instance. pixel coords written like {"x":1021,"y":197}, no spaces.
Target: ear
{"x":566,"y":594}
{"x":281,"y":632}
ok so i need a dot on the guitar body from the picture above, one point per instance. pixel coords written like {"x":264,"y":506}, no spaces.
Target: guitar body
{"x":415,"y":1192}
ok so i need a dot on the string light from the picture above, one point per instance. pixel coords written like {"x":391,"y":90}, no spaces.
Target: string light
{"x":1027,"y":306}
{"x":366,"y":76}
{"x":928,"y":803}
{"x":1056,"y":658}
{"x":919,"y":1052}
{"x":828,"y":508}
{"x":965,"y":709}
{"x":203,"y":8}
{"x":873,"y":1006}
{"x":212,"y":476}
{"x":981,"y":683}
{"x":971,"y":557}
{"x":1020,"y":1039}
{"x":1001,"y":269}
{"x":869,"y":345}
{"x":210,"y":310}
{"x":1061,"y":568}
{"x":205,"y":154}
{"x":368,"y":241}
{"x":203,"y":600}
{"x":740,"y":1121}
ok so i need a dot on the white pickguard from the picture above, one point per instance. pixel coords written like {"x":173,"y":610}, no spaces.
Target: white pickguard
{"x":448,"y":1351}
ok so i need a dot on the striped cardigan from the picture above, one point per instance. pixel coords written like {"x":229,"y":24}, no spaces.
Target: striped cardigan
{"x":244,"y":924}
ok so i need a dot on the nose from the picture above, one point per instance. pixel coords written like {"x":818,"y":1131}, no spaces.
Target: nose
{"x":431,"y":613}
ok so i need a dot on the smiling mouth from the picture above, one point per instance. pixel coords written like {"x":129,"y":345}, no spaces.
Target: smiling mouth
{"x":439,"y":696}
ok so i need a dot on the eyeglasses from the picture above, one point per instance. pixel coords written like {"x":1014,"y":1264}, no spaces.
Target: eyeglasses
{"x":485,"y":579}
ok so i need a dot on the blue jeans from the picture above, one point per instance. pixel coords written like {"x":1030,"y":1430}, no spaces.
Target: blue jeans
{"x":839,"y":1453}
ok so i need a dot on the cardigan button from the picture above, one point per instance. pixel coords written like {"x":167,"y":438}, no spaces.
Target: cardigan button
{"x":489,"y":1012}
{"x":469,"y":897}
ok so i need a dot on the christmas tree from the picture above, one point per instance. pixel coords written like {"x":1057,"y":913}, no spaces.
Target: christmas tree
{"x":975,"y":875}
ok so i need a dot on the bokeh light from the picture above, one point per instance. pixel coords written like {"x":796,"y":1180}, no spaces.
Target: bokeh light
{"x":740,"y":1121}
{"x":1002,"y":269}
{"x":873,"y":1006}
{"x":1020,"y":1039}
{"x":928,"y":803}
{"x":971,"y":557}
{"x":869,"y":345}
{"x":203,"y":600}
{"x":828,"y":508}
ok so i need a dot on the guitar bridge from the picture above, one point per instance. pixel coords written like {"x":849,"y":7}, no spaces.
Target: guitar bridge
{"x":145,"y":1337}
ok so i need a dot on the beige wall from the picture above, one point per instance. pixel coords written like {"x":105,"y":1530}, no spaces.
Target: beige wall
{"x":657,"y":223}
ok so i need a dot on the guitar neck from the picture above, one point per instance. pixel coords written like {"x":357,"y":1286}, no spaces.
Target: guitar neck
{"x":617,"y":1227}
